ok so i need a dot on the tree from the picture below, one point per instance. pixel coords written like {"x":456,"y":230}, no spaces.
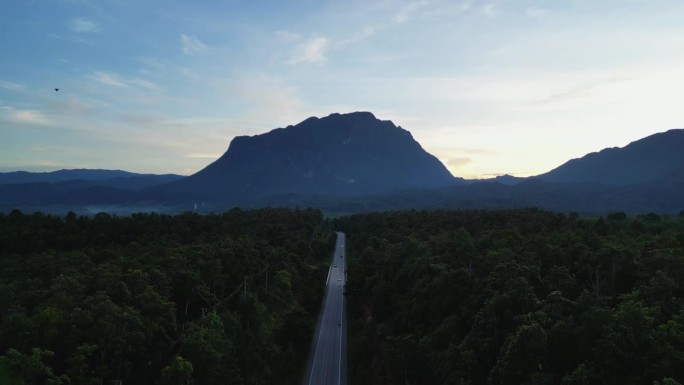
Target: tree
{"x":33,"y":369}
{"x":179,"y":372}
{"x":522,"y":356}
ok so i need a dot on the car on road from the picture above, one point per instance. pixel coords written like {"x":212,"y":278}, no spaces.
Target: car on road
{"x":339,"y":279}
{"x":335,"y":265}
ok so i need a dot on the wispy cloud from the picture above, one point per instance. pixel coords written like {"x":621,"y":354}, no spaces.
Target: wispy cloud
{"x":457,"y":162}
{"x":270,"y":101}
{"x":80,"y":39}
{"x":115,"y":80}
{"x":311,"y":51}
{"x":579,"y":89}
{"x":491,"y":10}
{"x":152,"y":62}
{"x":203,"y":156}
{"x":407,"y":12}
{"x":10,"y":86}
{"x":23,"y":116}
{"x":358,"y":36}
{"x":191,"y":45}
{"x":288,"y":37}
{"x":81,"y":25}
{"x":536,"y":13}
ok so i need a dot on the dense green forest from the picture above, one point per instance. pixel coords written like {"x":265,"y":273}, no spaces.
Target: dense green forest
{"x":515,"y":297}
{"x":156,"y":299}
{"x":440,"y":297}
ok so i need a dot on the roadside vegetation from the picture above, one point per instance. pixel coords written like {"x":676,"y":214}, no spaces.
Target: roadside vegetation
{"x":515,"y":297}
{"x":434,"y":297}
{"x":156,"y":299}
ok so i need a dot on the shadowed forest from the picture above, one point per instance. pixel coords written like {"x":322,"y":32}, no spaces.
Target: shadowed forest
{"x":433,"y":297}
{"x":152,"y":299}
{"x":515,"y":297}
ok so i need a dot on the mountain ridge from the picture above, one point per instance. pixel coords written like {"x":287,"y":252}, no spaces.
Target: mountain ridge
{"x":340,"y":154}
{"x":655,"y":158}
{"x":345,"y":163}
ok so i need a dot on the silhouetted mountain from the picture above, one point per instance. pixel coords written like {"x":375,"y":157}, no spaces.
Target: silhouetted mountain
{"x":347,"y":163}
{"x":340,"y":155}
{"x":506,"y":179}
{"x":654,"y":159}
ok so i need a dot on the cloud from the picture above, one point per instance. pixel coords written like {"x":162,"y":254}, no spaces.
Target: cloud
{"x":203,"y":156}
{"x":311,"y":51}
{"x":20,"y":116}
{"x":358,"y":36}
{"x":536,"y":13}
{"x":579,"y":89}
{"x":84,"y":26}
{"x":115,"y":80}
{"x":268,"y":101}
{"x":407,"y":12}
{"x":152,"y":62}
{"x":10,"y":86}
{"x":458,"y":162}
{"x":490,"y":10}
{"x":191,"y":45}
{"x":288,"y":37}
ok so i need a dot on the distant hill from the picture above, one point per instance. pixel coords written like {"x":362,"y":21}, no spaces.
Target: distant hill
{"x":61,"y":176}
{"x":339,"y":155}
{"x":658,"y":158}
{"x":66,"y":190}
{"x":110,"y":178}
{"x":506,"y":179}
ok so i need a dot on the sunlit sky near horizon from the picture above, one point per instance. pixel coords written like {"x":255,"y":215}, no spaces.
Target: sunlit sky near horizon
{"x":489,"y":87}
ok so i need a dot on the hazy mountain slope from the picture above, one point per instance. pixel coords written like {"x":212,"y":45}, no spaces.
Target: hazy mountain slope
{"x":75,"y":193}
{"x":110,"y":178}
{"x":656,"y":158}
{"x":61,"y":175}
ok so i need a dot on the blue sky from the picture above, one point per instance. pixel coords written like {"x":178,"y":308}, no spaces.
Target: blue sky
{"x":489,"y":87}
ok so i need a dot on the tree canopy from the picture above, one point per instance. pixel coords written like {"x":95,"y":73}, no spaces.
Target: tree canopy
{"x":157,"y":299}
{"x":515,"y":297}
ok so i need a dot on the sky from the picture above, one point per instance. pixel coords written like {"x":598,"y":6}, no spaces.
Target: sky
{"x":489,"y":87}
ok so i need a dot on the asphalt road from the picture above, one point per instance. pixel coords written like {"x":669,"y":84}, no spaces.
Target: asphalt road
{"x":328,"y":358}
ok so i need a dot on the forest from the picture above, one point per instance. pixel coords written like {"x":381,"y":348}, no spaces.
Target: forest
{"x":434,"y":297}
{"x":515,"y":297}
{"x":227,"y":298}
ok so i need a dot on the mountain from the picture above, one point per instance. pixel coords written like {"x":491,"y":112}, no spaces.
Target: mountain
{"x":506,"y":179}
{"x":346,"y":163}
{"x":109,"y":178}
{"x":61,"y":176}
{"x":339,"y":155}
{"x":658,"y":158}
{"x":66,"y":190}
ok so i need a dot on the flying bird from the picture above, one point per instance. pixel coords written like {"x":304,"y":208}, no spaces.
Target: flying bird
{"x":56,"y":89}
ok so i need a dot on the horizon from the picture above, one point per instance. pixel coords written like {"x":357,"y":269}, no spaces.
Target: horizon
{"x":488,"y":87}
{"x":481,"y":177}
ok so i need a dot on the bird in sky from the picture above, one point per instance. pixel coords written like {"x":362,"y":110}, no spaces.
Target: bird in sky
{"x":56,"y":89}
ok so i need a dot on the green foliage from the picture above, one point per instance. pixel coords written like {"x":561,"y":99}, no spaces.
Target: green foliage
{"x":179,"y":372}
{"x":666,"y":381}
{"x":151,"y":298}
{"x":515,"y":297}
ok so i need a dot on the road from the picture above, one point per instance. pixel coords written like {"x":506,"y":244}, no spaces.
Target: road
{"x":328,"y":358}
